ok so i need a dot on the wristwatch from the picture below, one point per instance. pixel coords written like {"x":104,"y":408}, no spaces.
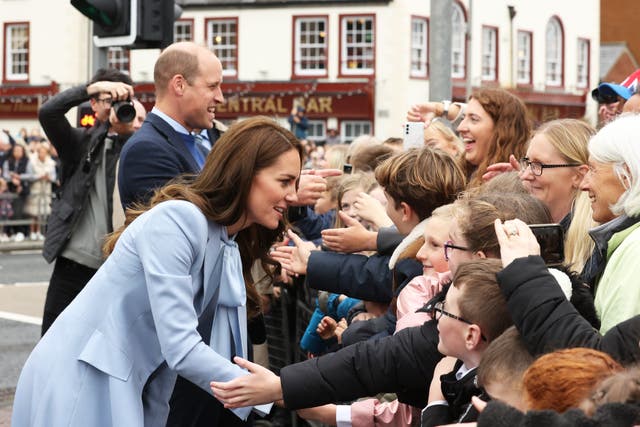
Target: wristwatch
{"x":445,"y":109}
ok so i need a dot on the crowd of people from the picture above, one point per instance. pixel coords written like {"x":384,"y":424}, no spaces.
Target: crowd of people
{"x":29,"y":168}
{"x":432,"y":300}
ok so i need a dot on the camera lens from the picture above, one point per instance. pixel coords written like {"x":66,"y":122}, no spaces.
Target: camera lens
{"x":125,"y":111}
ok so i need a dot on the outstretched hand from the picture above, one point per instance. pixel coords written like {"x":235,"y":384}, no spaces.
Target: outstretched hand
{"x":312,"y":184}
{"x":294,"y":259}
{"x":498,"y":168}
{"x":259,"y":387}
{"x":422,"y":113}
{"x":353,"y":238}
{"x":516,"y":240}
{"x":370,"y":209}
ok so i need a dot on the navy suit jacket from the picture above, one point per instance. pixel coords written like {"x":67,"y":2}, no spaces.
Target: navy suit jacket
{"x":153,"y":156}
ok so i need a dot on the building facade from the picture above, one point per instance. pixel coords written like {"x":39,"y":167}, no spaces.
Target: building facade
{"x":354,"y":65}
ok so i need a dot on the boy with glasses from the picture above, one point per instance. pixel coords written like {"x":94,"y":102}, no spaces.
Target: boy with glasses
{"x":473,"y":313}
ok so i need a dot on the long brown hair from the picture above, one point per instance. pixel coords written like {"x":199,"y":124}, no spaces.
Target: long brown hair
{"x":511,"y":129}
{"x":222,"y":188}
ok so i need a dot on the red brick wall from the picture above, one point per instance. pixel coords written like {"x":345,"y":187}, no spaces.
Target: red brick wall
{"x":620,"y":21}
{"x":620,"y":70}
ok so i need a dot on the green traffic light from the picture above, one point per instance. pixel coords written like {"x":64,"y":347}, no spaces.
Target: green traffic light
{"x":102,"y":12}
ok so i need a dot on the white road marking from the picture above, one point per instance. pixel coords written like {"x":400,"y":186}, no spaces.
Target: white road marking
{"x":21,"y":318}
{"x":24,"y":284}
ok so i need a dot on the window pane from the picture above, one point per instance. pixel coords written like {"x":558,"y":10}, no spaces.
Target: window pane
{"x":357,"y":40}
{"x":524,"y":57}
{"x":118,"y":58}
{"x":489,"y":49}
{"x":419,"y":54}
{"x":458,"y":40}
{"x":223,"y":35}
{"x":182,"y":31}
{"x":554,"y":53}
{"x":311,"y":43}
{"x":353,"y":129}
{"x":17,"y":51}
{"x":316,"y":130}
{"x":583,"y":63}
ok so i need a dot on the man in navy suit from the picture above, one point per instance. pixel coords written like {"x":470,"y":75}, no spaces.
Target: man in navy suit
{"x":188,"y":81}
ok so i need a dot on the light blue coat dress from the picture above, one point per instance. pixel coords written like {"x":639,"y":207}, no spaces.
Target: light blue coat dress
{"x":111,"y":358}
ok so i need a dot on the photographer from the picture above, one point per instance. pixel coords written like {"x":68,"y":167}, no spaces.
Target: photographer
{"x":81,"y":212}
{"x":298,"y":122}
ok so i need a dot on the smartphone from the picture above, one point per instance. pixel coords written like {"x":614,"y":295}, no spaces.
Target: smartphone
{"x":551,"y":240}
{"x":347,"y":168}
{"x":413,"y":135}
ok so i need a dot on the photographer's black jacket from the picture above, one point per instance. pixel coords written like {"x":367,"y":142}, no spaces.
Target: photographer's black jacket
{"x":80,"y":152}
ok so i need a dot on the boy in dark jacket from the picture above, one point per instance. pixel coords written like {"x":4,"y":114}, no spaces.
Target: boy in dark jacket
{"x":472,"y":315}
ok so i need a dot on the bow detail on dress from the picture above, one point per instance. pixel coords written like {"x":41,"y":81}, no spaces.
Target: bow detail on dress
{"x":229,"y":329}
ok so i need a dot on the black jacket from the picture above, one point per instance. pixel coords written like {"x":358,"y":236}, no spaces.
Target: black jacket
{"x":402,"y":363}
{"x":359,"y":276}
{"x":548,"y":322}
{"x":498,"y":414}
{"x":80,"y":152}
{"x":458,"y":394}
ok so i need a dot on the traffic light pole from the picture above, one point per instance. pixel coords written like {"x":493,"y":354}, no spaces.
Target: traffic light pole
{"x":99,"y":57}
{"x":440,"y":50}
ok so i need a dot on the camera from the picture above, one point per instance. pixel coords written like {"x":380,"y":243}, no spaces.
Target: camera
{"x":125,"y":111}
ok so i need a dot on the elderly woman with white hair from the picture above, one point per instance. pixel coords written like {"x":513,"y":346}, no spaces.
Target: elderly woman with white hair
{"x":613,"y":185}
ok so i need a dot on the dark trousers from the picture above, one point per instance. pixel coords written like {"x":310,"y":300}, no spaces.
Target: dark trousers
{"x":190,"y":406}
{"x":67,"y":280}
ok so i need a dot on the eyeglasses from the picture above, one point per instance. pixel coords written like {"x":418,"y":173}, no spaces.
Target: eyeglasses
{"x":537,"y":167}
{"x":449,"y":245}
{"x":105,"y":100}
{"x":438,"y":311}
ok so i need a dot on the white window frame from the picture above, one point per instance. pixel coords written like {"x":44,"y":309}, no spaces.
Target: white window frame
{"x":458,"y":42}
{"x":489,"y":53}
{"x":317,"y":125}
{"x":419,"y":47}
{"x":554,"y":62}
{"x":119,"y":58}
{"x":365,"y":49}
{"x":183,"y":30}
{"x":16,"y":56}
{"x":224,"y":49}
{"x":523,"y":72}
{"x":349,"y":129}
{"x":582,"y":73}
{"x":310,"y":41}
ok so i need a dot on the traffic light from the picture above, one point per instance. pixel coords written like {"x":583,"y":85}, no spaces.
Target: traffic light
{"x":141,"y":24}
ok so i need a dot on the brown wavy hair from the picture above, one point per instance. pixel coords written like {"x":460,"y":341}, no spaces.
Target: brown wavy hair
{"x":222,"y":188}
{"x":511,"y":129}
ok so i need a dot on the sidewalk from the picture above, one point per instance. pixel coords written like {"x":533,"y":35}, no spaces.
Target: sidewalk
{"x":25,"y":245}
{"x":5,"y":416}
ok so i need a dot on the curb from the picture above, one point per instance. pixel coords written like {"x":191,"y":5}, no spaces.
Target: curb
{"x":27,"y":245}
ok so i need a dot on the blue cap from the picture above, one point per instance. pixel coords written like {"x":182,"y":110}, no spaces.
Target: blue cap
{"x":612,"y":89}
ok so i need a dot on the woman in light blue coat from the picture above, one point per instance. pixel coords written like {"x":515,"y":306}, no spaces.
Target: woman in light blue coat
{"x":173,"y":276}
